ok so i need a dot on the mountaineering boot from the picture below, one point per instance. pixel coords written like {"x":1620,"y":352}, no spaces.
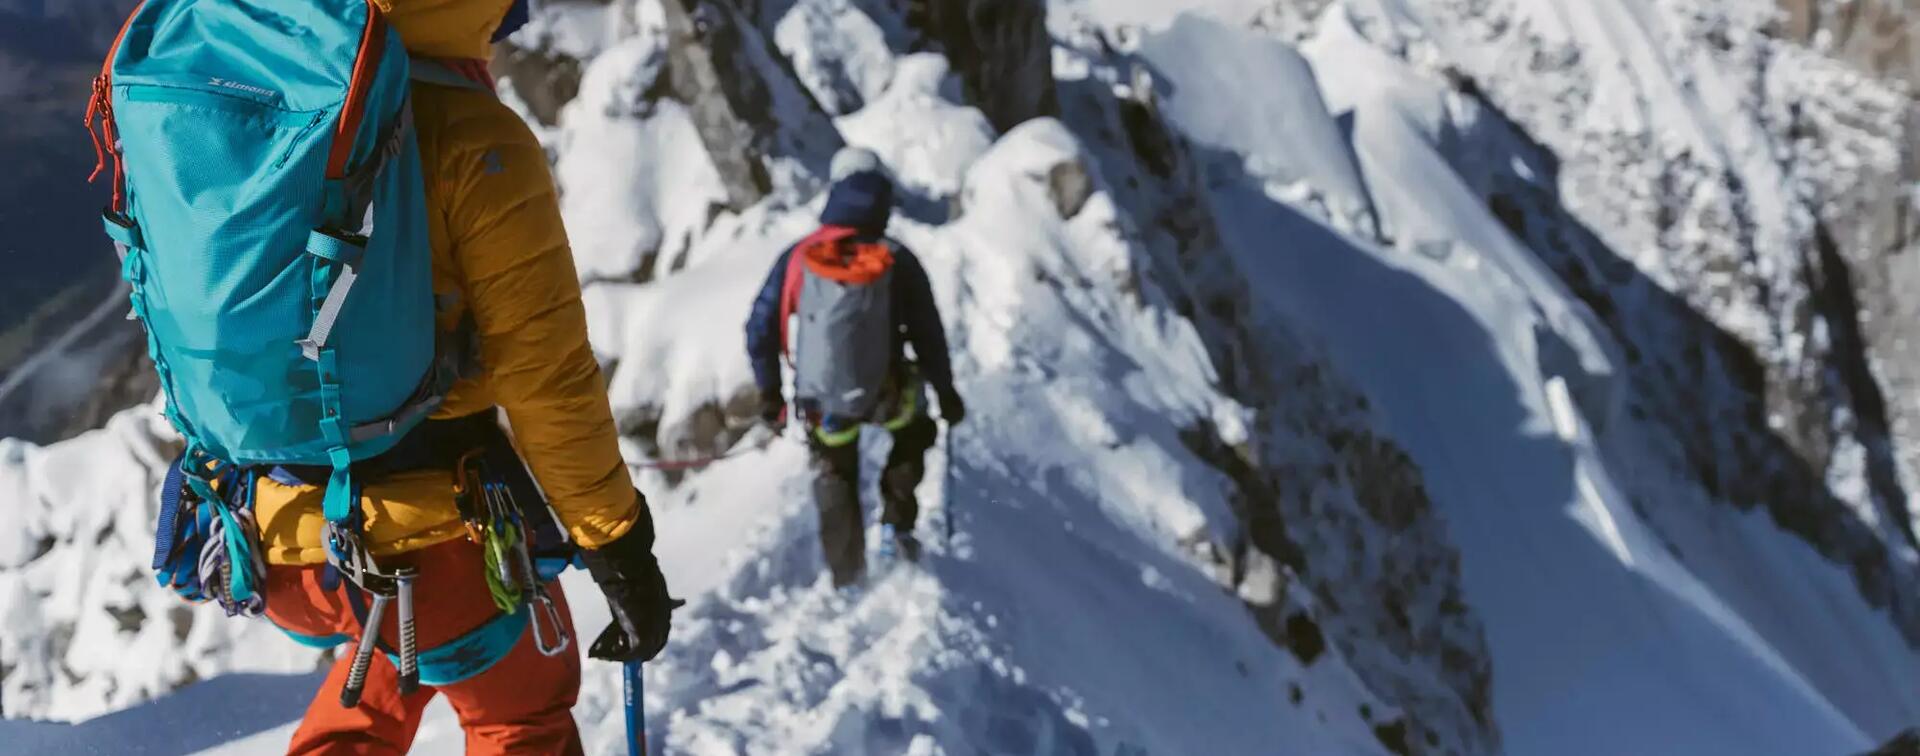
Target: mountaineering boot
{"x":907,"y":546}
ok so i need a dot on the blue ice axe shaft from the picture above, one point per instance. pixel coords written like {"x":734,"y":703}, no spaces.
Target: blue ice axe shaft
{"x":633,"y":691}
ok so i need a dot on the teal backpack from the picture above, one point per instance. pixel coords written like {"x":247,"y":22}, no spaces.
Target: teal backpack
{"x":269,"y":208}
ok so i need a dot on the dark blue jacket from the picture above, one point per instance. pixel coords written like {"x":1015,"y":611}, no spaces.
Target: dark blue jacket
{"x":916,"y":320}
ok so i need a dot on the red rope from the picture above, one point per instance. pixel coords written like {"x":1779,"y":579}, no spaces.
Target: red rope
{"x":681,"y":465}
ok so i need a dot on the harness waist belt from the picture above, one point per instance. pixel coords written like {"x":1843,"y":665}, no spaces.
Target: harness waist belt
{"x":451,"y":662}
{"x":431,"y":445}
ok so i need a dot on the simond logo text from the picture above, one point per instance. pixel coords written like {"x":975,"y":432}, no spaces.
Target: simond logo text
{"x":248,"y":88}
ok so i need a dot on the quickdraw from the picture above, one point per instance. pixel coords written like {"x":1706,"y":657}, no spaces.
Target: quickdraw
{"x":495,"y":521}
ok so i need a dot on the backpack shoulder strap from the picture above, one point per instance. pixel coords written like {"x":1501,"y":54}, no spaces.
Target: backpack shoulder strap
{"x":790,"y":296}
{"x":437,"y":72}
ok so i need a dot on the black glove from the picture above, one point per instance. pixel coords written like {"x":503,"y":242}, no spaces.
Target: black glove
{"x":773,"y":408}
{"x":952,"y":410}
{"x":636,"y":592}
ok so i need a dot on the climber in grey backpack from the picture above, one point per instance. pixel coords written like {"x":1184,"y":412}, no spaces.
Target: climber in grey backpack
{"x":856,"y":299}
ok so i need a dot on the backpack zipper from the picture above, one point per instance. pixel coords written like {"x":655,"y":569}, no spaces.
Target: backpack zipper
{"x":106,"y":140}
{"x":224,"y":100}
{"x":366,"y":63}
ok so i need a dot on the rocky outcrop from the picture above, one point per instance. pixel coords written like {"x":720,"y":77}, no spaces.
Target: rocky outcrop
{"x":1000,"y":49}
{"x":1340,"y":549}
{"x":752,"y":113}
{"x":79,"y":362}
{"x":1756,"y":294}
{"x":1877,"y":36}
{"x":1868,"y":225}
{"x":1904,"y":744}
{"x":543,"y":79}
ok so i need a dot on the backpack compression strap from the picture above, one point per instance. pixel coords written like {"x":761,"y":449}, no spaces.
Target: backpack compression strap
{"x":344,"y":249}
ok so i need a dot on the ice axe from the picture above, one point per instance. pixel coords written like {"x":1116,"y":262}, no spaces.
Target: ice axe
{"x":613,"y":644}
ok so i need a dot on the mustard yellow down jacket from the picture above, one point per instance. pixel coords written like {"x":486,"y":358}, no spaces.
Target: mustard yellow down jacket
{"x":500,"y":252}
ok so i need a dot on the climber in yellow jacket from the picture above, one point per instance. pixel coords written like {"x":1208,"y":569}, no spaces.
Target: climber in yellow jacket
{"x":503,"y":272}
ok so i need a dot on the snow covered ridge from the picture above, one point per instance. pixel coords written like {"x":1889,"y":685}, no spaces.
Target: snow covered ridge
{"x":86,"y":630}
{"x":1729,"y":204}
{"x":1308,"y":417}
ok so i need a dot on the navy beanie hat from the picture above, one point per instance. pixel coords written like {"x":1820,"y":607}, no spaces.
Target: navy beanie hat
{"x":862,"y":200}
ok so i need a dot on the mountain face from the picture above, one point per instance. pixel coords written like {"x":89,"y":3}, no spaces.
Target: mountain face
{"x":60,"y":269}
{"x":1364,"y":376}
{"x":1876,"y":36}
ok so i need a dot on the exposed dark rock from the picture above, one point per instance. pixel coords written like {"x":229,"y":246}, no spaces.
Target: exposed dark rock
{"x":1876,"y":35}
{"x":1905,"y":744}
{"x":1304,"y":638}
{"x":746,"y":103}
{"x":129,"y":618}
{"x":96,"y":365}
{"x":1393,"y":736}
{"x":1311,"y":483}
{"x":1000,"y":49}
{"x":126,"y":382}
{"x":1070,"y":187}
{"x":1753,"y":431}
{"x":544,"y":80}
{"x":182,"y":618}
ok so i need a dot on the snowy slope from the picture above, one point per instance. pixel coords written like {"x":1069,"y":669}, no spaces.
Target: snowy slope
{"x":1589,"y":611}
{"x":1290,"y":433}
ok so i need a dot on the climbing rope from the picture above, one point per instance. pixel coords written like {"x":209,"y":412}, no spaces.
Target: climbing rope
{"x":231,"y":569}
{"x":682,"y":465}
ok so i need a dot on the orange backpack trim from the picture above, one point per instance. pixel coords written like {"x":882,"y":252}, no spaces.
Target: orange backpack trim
{"x":848,"y":262}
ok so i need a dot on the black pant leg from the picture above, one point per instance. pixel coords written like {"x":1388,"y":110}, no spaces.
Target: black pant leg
{"x":836,"y":492}
{"x":906,"y":465}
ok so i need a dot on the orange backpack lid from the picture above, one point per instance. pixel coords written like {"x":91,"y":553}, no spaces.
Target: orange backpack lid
{"x":848,"y":261}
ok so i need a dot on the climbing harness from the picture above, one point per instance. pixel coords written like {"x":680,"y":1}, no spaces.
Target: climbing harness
{"x":905,"y":393}
{"x":522,"y":553}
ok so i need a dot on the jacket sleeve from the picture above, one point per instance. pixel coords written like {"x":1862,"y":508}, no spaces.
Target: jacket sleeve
{"x":763,"y":328}
{"x":921,"y":317}
{"x":514,"y":264}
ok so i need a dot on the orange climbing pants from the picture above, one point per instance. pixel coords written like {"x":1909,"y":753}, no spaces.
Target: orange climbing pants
{"x":521,"y":705}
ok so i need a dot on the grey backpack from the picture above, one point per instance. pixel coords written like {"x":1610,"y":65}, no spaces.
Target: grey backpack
{"x":840,"y":292}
